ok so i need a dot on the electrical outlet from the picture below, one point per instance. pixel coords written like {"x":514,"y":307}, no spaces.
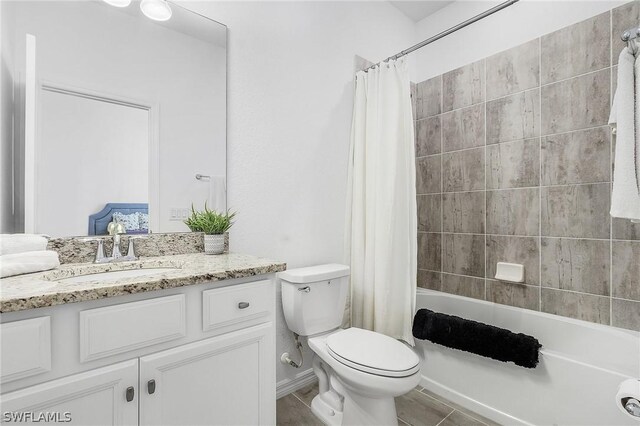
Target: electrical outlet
{"x":179,"y":213}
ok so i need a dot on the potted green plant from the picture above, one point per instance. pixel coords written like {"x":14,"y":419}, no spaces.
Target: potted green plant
{"x":213,"y":225}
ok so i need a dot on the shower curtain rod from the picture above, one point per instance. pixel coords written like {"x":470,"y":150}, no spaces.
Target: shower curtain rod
{"x":447,"y":32}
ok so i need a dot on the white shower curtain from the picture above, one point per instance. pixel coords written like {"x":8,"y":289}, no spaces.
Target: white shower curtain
{"x":381,"y":225}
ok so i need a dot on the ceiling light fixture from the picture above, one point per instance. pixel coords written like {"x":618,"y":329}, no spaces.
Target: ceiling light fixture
{"x":158,"y":10}
{"x":118,"y":3}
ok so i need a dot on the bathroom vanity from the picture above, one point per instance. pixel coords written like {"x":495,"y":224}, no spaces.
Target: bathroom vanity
{"x":184,"y":339}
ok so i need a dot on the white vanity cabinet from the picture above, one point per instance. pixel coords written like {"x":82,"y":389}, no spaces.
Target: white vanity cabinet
{"x":223,"y":380}
{"x":96,"y":397}
{"x":200,"y":355}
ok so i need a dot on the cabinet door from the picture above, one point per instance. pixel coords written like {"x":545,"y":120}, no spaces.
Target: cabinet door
{"x":224,"y":380}
{"x":97,"y":397}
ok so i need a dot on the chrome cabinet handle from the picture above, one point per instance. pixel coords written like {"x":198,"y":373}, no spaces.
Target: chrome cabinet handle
{"x":129,"y":394}
{"x":151,"y":386}
{"x":243,"y":305}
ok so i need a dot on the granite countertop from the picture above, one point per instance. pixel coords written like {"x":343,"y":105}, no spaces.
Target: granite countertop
{"x":43,"y":289}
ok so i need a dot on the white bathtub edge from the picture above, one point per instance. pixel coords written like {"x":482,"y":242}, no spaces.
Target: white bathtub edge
{"x":471,"y":404}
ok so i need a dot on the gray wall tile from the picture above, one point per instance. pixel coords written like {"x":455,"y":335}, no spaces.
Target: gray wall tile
{"x":463,"y":86}
{"x":463,"y":128}
{"x":586,"y":307}
{"x":429,"y":98}
{"x":430,"y":213}
{"x":576,"y":264}
{"x":428,"y":136}
{"x":624,"y":229}
{"x":577,"y":157}
{"x":623,"y":18}
{"x":429,"y":279}
{"x":626,"y":314}
{"x":519,"y":295}
{"x":576,"y":211}
{"x":576,"y":49}
{"x":513,"y":164}
{"x":575,"y":104}
{"x":428,"y":176}
{"x":463,"y":170}
{"x":513,"y":70}
{"x":626,"y":269}
{"x":555,"y":135}
{"x":463,"y":212}
{"x":513,"y":212}
{"x":463,"y":286}
{"x":414,"y":98}
{"x":514,"y":117}
{"x":430,"y":251}
{"x":523,"y":250}
{"x":463,"y":254}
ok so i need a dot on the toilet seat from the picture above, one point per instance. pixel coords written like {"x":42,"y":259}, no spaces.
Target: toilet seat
{"x":372,"y":352}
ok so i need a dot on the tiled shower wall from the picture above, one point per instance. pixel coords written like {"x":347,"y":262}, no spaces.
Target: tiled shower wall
{"x":514,"y":164}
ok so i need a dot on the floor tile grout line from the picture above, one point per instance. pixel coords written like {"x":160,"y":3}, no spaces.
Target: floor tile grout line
{"x":454,"y":409}
{"x":300,"y":399}
{"x":440,"y":422}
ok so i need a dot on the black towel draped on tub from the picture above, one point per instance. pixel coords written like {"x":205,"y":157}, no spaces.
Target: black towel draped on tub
{"x":475,"y":337}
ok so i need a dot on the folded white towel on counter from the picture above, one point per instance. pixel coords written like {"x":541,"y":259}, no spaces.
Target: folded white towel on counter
{"x":625,"y":197}
{"x":28,"y":262}
{"x":19,"y":243}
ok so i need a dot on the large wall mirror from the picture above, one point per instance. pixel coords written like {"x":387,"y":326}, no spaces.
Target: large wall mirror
{"x":113,"y":117}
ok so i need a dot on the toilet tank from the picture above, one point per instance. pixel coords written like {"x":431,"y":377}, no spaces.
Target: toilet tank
{"x":314,"y":298}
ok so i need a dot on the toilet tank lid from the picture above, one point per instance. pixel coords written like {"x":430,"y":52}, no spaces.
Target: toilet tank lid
{"x":314,"y":273}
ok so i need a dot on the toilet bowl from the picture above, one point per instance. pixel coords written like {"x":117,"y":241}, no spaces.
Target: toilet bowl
{"x":365,"y":385}
{"x":360,"y":372}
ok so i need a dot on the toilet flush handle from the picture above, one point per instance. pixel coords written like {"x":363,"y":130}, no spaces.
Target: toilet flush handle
{"x":306,"y":289}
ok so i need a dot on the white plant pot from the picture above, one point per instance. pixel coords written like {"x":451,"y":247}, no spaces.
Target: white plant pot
{"x":214,"y":244}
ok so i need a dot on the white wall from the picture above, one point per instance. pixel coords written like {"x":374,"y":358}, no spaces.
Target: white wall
{"x":99,"y":48}
{"x":291,"y":68}
{"x":7,"y":223}
{"x":517,"y":24}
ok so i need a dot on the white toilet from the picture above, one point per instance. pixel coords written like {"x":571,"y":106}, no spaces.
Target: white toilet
{"x":359,"y":371}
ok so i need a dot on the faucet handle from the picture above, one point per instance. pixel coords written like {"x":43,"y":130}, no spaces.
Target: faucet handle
{"x":100,"y":256}
{"x":131,"y":253}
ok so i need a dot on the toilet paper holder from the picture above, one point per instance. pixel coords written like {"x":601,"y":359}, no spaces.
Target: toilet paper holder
{"x":628,"y":398}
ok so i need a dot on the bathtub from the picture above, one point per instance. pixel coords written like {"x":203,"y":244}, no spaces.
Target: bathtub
{"x":581,"y":367}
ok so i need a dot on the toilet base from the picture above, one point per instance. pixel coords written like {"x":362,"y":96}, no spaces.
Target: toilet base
{"x":325,"y":412}
{"x":360,"y":411}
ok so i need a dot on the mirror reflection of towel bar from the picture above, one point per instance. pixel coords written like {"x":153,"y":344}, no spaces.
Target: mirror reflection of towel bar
{"x":202,"y":177}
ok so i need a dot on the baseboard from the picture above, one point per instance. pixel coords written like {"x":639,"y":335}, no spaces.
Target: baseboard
{"x":471,"y":404}
{"x":302,"y":379}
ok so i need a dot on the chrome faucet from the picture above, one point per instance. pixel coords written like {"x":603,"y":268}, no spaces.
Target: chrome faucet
{"x":116,"y":254}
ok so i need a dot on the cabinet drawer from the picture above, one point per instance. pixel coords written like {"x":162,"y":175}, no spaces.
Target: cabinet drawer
{"x":240,"y":303}
{"x":121,"y":328}
{"x":25,"y":349}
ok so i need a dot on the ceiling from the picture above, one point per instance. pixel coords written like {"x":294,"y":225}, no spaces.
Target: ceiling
{"x":419,"y":9}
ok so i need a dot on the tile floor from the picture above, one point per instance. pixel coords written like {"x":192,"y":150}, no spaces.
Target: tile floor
{"x":417,"y":408}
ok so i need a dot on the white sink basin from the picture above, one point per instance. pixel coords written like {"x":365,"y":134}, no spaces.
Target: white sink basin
{"x":117,"y":275}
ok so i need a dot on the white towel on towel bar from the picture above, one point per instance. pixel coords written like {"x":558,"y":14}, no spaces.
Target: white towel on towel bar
{"x":625,"y":197}
{"x":28,"y":262}
{"x":18,"y":243}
